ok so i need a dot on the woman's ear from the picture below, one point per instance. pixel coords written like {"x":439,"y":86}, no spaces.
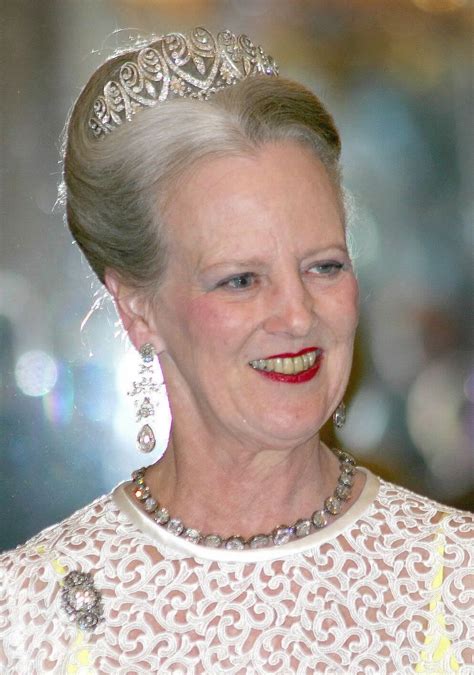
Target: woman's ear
{"x":133,"y":311}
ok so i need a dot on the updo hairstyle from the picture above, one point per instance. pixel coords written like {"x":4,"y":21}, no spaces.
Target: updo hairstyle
{"x":116,"y":188}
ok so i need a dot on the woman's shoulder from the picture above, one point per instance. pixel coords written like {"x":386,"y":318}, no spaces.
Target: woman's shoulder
{"x":84,"y":520}
{"x":32,"y":575}
{"x":45,"y":556}
{"x":418,"y":515}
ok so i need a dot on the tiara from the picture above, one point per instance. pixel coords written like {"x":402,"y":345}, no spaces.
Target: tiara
{"x":175,"y":65}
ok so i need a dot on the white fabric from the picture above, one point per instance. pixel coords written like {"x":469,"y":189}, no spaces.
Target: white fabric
{"x":383,"y":589}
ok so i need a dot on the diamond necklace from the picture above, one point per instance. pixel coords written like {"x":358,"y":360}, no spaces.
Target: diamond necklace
{"x":280,"y":535}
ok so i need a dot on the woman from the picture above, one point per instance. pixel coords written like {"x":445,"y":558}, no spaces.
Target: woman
{"x":205,"y":192}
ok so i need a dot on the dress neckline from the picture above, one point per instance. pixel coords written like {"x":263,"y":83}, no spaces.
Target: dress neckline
{"x":171,"y":546}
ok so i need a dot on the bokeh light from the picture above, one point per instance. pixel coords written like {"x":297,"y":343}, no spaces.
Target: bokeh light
{"x":367,"y":419}
{"x":436,"y":407}
{"x":36,"y":373}
{"x":396,"y":336}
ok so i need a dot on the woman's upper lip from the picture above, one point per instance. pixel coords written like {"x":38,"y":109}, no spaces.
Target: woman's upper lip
{"x":293,"y":354}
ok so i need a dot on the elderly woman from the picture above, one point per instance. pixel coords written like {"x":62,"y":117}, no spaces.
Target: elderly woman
{"x":205,"y":192}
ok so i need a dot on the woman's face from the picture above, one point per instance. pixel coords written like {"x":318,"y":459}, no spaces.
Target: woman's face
{"x":258,"y":270}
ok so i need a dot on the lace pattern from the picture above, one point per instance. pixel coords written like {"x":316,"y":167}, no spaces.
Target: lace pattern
{"x":388,"y":593}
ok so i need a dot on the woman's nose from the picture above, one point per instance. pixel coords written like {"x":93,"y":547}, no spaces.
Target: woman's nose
{"x":290,"y":309}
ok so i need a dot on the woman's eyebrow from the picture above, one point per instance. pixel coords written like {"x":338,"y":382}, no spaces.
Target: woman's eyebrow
{"x":257,"y":263}
{"x":236,"y":262}
{"x":325,"y":249}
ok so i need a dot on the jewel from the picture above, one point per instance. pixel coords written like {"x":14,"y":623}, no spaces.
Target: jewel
{"x":319,"y":519}
{"x":302,"y":527}
{"x":145,"y":385}
{"x":146,"y":439}
{"x":346,"y":457}
{"x":175,"y":526}
{"x":87,"y":621}
{"x":150,"y":89}
{"x":333,"y":505}
{"x":339,"y":416}
{"x":180,"y":65}
{"x":192,"y":535}
{"x":346,"y":479}
{"x":343,"y":492}
{"x":81,"y":601}
{"x":147,"y":352}
{"x":78,"y":578}
{"x":146,"y":409}
{"x":82,"y":597}
{"x":162,"y":515}
{"x":212,"y":540}
{"x":259,"y":541}
{"x":235,"y":543}
{"x":347,"y":469}
{"x":282,"y":535}
{"x":199,"y":63}
{"x":150,"y":504}
{"x":142,"y":493}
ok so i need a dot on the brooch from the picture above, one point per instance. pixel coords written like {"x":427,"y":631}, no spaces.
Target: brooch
{"x":81,"y":600}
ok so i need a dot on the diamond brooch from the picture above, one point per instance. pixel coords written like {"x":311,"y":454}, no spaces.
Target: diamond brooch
{"x":81,"y":601}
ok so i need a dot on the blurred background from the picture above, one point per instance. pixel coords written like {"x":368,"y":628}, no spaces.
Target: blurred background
{"x":397,"y":76}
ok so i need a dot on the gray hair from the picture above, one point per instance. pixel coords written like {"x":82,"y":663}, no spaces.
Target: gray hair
{"x":116,"y":188}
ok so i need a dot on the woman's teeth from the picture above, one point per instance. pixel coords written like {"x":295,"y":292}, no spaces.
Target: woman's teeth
{"x":288,"y":365}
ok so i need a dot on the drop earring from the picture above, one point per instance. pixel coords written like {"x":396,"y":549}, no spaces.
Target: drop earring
{"x":144,"y":389}
{"x":339,"y":416}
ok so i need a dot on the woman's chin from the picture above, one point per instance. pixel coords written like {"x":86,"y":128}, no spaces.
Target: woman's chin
{"x":281,"y":427}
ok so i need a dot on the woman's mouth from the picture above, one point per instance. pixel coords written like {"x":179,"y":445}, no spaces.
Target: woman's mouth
{"x":291,"y":368}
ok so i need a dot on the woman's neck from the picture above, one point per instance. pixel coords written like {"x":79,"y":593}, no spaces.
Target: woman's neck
{"x":242,"y":490}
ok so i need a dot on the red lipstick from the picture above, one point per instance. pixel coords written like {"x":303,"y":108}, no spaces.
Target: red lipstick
{"x":296,"y":378}
{"x":286,"y":355}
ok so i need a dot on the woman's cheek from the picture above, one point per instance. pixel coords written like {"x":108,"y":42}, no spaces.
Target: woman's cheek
{"x":213,"y":320}
{"x":347,"y":310}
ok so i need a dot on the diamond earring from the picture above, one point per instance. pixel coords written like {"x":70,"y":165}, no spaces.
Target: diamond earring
{"x":339,"y":416}
{"x":145,"y":388}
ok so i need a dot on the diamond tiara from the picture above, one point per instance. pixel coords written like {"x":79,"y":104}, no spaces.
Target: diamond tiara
{"x":192,"y":65}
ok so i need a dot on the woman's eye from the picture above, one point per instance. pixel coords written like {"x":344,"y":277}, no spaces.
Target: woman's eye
{"x":239,"y":283}
{"x":327,"y":268}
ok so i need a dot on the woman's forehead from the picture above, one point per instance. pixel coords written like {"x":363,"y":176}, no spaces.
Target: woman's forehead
{"x":281,"y":191}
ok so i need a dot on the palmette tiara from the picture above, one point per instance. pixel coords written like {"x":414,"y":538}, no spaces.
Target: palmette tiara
{"x":191,"y":65}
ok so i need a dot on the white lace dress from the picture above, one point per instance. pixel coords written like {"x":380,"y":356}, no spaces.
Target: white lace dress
{"x":383,"y":589}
